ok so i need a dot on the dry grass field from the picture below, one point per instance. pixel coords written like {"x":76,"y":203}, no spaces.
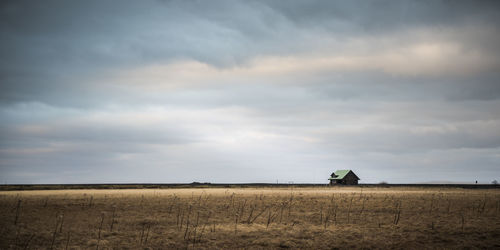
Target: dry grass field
{"x":313,"y":218}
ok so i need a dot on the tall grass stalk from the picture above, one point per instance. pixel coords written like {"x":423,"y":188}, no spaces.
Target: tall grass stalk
{"x":99,"y":231}
{"x":27,"y":244}
{"x":54,"y":235}
{"x":67,"y":240}
{"x":18,"y":211}
{"x":112,"y":219}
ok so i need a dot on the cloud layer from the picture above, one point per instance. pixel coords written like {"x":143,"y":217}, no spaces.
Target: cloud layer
{"x":237,"y":91}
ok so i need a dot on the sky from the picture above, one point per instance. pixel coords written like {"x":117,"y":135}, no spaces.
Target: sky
{"x":249,"y":91}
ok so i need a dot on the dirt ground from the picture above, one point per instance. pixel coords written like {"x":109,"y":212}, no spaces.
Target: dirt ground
{"x":313,"y":218}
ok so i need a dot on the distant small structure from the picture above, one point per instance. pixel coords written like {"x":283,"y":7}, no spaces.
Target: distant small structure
{"x":343,"y":177}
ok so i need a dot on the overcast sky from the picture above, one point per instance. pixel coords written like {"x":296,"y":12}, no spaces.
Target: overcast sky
{"x":249,"y":91}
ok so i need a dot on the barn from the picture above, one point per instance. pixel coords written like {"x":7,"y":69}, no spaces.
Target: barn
{"x":343,"y":177}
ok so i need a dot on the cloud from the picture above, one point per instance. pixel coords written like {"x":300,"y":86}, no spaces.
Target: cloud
{"x":235,"y":91}
{"x":61,"y":45}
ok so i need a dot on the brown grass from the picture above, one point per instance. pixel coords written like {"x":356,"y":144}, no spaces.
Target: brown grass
{"x":316,"y":218}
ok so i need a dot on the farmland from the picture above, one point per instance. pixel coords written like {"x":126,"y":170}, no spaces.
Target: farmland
{"x":293,"y":217}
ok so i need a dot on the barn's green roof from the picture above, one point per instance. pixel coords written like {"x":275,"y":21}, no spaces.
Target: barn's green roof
{"x":340,"y":174}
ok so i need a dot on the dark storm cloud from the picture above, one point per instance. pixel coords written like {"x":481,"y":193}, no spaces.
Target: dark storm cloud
{"x":224,"y":90}
{"x":387,"y":16}
{"x":48,"y":47}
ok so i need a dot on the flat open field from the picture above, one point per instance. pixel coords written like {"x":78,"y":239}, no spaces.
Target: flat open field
{"x":318,"y":218}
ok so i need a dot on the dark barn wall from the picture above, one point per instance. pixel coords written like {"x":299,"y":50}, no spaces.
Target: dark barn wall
{"x":350,"y":180}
